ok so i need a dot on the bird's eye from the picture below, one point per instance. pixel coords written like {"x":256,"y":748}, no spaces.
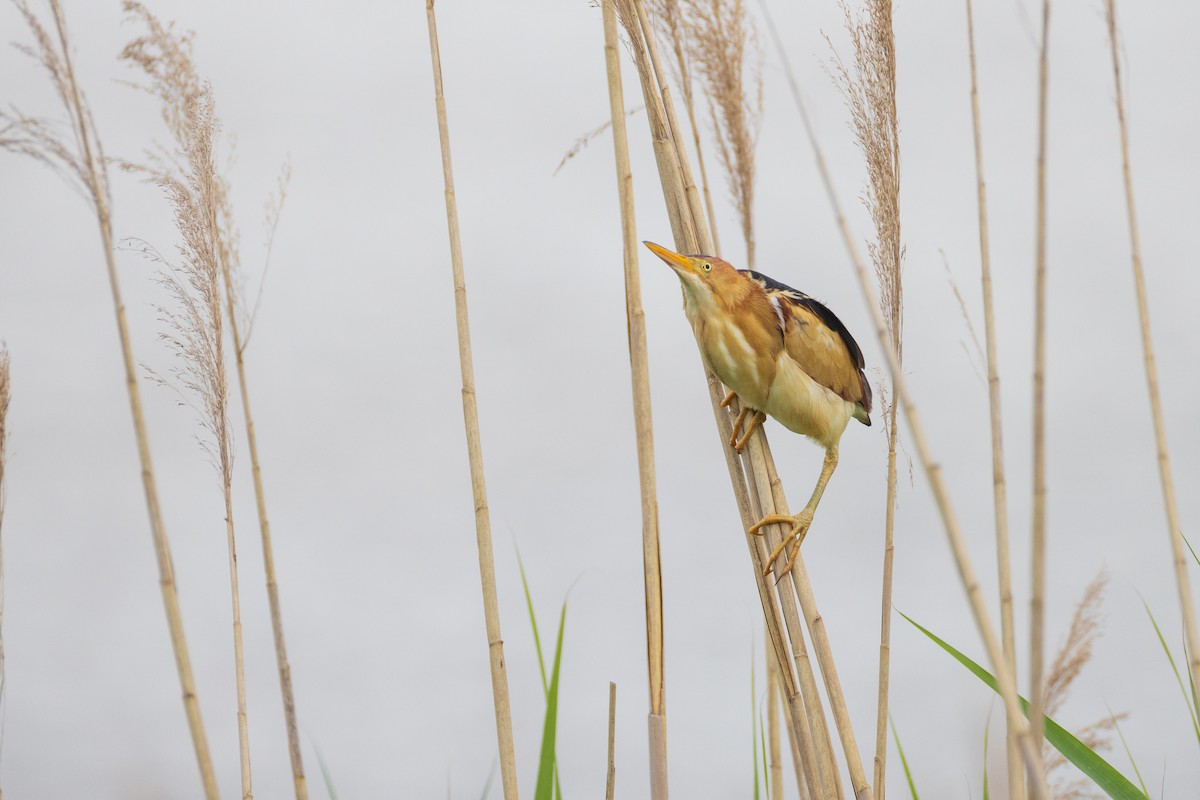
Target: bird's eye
{"x":707,"y":267}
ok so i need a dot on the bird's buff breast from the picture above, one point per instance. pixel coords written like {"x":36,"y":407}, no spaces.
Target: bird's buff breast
{"x":735,"y":361}
{"x":805,"y":406}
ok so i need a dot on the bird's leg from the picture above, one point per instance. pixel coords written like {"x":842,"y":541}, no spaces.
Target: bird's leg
{"x":737,"y":426}
{"x":755,"y":421}
{"x":800,"y":522}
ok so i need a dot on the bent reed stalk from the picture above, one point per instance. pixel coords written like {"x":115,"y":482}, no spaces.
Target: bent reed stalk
{"x":1004,"y":677}
{"x":1174,"y":529}
{"x":483,"y":525}
{"x":1016,"y":786}
{"x":639,"y":367}
{"x":83,"y":164}
{"x":750,"y":477}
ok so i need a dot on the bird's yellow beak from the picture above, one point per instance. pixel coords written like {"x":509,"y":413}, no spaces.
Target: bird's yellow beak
{"x":674,"y":260}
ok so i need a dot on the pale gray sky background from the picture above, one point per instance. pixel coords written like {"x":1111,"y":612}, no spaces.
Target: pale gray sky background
{"x":356,"y":392}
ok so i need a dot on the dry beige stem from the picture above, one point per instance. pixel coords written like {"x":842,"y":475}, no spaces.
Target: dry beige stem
{"x":483,"y":525}
{"x":610,"y":783}
{"x":869,"y":87}
{"x":1174,"y":528}
{"x":82,"y":163}
{"x":932,"y":468}
{"x":4,"y":398}
{"x":668,"y":16}
{"x":640,"y":378}
{"x":724,"y":48}
{"x":1037,"y":606}
{"x":1016,"y":786}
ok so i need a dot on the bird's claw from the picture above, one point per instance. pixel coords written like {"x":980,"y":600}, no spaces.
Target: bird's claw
{"x":799,"y":529}
{"x":728,"y":399}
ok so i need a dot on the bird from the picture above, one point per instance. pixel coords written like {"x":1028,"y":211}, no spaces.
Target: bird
{"x":781,"y":353}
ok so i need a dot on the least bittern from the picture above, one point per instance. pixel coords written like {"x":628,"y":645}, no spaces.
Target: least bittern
{"x":778,"y":351}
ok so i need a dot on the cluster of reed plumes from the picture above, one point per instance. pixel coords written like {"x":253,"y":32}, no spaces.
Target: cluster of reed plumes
{"x":202,"y":283}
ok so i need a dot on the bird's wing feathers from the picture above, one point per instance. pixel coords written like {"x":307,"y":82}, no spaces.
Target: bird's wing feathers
{"x":818,"y":341}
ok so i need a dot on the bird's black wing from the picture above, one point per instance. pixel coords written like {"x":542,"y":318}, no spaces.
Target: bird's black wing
{"x":820,"y":309}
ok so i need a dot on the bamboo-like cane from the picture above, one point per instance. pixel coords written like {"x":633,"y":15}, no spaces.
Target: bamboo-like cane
{"x":88,"y":163}
{"x":1037,"y":603}
{"x":5,"y":384}
{"x":610,"y":783}
{"x":640,"y":377}
{"x":774,"y":747}
{"x":483,"y":526}
{"x":1174,"y":529}
{"x":933,"y":471}
{"x":299,"y":783}
{"x":1016,"y":785}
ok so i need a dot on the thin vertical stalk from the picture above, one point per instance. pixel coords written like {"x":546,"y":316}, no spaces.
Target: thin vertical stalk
{"x":1174,"y":529}
{"x":774,"y":754}
{"x":933,"y":471}
{"x":86,"y":162}
{"x":610,"y":783}
{"x":5,"y":385}
{"x":299,"y":783}
{"x":885,"y":621}
{"x":1016,"y":785}
{"x":639,"y":367}
{"x":1037,"y":602}
{"x":483,"y":526}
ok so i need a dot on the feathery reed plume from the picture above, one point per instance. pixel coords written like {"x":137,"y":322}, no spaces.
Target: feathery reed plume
{"x":1073,"y":656}
{"x":1174,"y":528}
{"x":1005,"y":678}
{"x":1037,"y":606}
{"x":869,"y":87}
{"x":756,"y":486}
{"x":667,"y":16}
{"x":194,"y":328}
{"x":4,"y":398}
{"x":724,"y":48}
{"x":639,"y":367}
{"x":1016,"y":786}
{"x":483,"y":525}
{"x":166,"y":59}
{"x":80,"y":160}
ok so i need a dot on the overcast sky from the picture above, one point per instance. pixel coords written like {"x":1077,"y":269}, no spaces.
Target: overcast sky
{"x":355,"y":387}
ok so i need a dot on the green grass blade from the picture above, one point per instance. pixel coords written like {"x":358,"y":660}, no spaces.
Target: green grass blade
{"x":912,"y":787}
{"x":1189,"y":544}
{"x":1105,"y":775}
{"x":332,"y":792}
{"x":546,"y":761}
{"x":1128,"y":753}
{"x":1187,"y":698}
{"x":537,"y":641}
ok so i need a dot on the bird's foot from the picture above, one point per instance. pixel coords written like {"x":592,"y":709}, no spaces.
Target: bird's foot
{"x":728,"y":399}
{"x":800,"y":524}
{"x":739,"y":444}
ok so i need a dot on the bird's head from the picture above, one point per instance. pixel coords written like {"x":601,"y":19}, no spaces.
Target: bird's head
{"x":706,"y":279}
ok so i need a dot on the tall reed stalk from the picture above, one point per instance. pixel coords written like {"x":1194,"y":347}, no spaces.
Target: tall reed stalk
{"x":5,"y":392}
{"x":639,"y":367}
{"x":1037,"y":603}
{"x":869,"y":87}
{"x":755,"y":491}
{"x":81,"y":161}
{"x":668,"y":17}
{"x":1004,"y":677}
{"x":483,"y":525}
{"x":1016,"y":785}
{"x":229,"y":269}
{"x":1174,"y":529}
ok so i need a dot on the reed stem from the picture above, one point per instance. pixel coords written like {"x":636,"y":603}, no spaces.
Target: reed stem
{"x":1016,"y":785}
{"x":483,"y":526}
{"x":639,"y":366}
{"x":1174,"y":529}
